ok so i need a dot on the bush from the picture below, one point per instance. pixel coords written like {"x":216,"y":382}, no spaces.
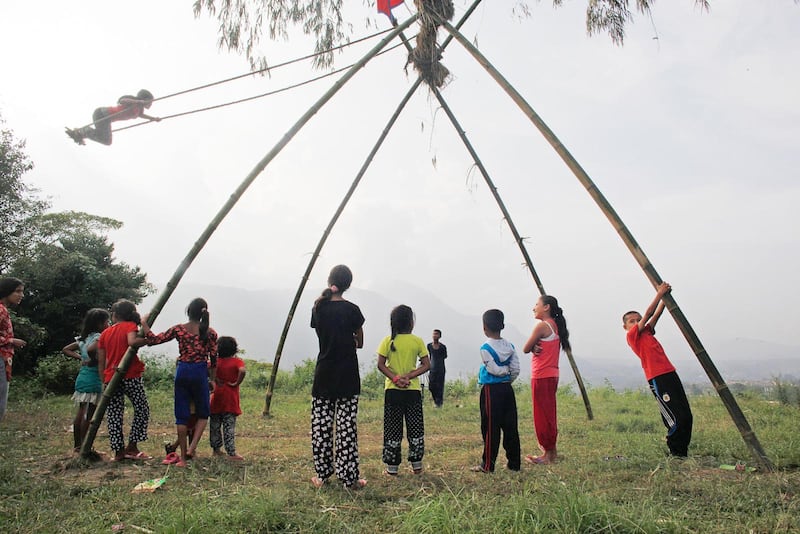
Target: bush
{"x":301,"y":378}
{"x":258,"y":374}
{"x":55,"y":373}
{"x":372,"y":384}
{"x":159,"y":372}
{"x":458,"y":389}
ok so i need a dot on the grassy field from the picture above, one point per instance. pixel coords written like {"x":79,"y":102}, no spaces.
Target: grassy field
{"x":614,"y":476}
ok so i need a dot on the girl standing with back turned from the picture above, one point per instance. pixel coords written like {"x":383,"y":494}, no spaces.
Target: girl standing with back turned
{"x":337,"y":384}
{"x":397,"y":360}
{"x":197,"y":346}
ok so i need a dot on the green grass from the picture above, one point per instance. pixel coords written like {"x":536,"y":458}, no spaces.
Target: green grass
{"x":643,"y":491}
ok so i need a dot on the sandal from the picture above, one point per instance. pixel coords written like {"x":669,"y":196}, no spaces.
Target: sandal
{"x":171,"y":459}
{"x":317,"y":482}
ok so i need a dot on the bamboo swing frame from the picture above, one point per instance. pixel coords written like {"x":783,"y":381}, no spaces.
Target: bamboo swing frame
{"x":323,"y":239}
{"x":716,"y":379}
{"x":739,"y":419}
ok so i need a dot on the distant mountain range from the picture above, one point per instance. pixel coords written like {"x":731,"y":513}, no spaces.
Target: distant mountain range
{"x":256,"y":318}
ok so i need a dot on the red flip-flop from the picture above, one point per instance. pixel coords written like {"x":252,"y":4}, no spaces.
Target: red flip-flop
{"x":171,"y":458}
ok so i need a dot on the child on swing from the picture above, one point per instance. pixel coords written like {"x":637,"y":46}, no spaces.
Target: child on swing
{"x":397,"y":360}
{"x":88,"y":386}
{"x":128,"y":107}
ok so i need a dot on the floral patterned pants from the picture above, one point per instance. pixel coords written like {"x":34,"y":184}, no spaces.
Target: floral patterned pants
{"x":339,"y":455}
{"x":133,"y":388}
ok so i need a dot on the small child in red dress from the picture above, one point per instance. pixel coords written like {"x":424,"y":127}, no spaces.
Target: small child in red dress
{"x":225,"y":398}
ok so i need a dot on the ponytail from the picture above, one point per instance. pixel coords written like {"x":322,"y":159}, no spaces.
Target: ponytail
{"x":401,"y":321}
{"x":198,"y":311}
{"x":327,"y":293}
{"x":204,"y":322}
{"x":339,"y":281}
{"x":557,"y":314}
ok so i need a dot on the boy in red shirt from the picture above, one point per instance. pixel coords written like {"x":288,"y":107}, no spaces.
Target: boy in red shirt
{"x":660,"y":373}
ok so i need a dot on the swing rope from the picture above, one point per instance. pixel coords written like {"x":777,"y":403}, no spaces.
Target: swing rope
{"x":249,"y":98}
{"x":251,"y":73}
{"x":279,"y":65}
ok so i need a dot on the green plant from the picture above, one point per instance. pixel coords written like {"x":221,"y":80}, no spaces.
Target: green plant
{"x":159,"y":371}
{"x":56,"y":373}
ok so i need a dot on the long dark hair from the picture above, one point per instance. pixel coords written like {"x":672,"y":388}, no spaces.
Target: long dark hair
{"x":227,"y":347}
{"x":198,"y":311}
{"x":558,"y":316}
{"x":93,"y":322}
{"x":401,"y":321}
{"x":9,"y":285}
{"x":125,"y":310}
{"x":338,"y":282}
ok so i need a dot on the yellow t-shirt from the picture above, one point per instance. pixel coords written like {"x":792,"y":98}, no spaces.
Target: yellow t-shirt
{"x":408,"y":350}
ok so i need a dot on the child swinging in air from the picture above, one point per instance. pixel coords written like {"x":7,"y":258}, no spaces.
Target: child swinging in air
{"x":397,"y":359}
{"x":128,"y":107}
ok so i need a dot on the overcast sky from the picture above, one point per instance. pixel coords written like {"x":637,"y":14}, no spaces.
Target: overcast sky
{"x":691,"y":130}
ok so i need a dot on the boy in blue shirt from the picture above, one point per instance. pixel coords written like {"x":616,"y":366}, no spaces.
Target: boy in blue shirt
{"x":498,"y":404}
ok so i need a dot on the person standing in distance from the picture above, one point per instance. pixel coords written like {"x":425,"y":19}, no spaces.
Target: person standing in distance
{"x":438,"y":353}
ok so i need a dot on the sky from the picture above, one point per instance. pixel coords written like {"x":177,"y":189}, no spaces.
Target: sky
{"x":690,"y":130}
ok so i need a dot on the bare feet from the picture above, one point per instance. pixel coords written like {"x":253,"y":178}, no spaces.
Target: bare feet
{"x":548,"y":457}
{"x":357,"y":485}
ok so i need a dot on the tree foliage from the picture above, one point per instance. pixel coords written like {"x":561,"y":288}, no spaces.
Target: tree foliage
{"x":71,"y":270}
{"x":242,"y":23}
{"x":18,"y":201}
{"x":65,"y":260}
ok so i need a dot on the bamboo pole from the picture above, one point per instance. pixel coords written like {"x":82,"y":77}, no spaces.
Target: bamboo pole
{"x":739,"y":419}
{"x":517,"y":237}
{"x":113,"y":384}
{"x":507,"y":216}
{"x":315,"y":255}
{"x":304,"y":280}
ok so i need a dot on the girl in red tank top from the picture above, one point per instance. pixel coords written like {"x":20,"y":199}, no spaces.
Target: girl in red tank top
{"x":549,"y":336}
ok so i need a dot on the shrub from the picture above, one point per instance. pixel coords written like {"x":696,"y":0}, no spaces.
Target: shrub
{"x":372,"y":384}
{"x":55,"y":373}
{"x":258,"y":374}
{"x":461,"y":388}
{"x":159,"y":372}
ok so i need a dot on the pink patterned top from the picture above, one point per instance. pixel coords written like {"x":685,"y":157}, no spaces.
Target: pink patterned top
{"x":192,"y":349}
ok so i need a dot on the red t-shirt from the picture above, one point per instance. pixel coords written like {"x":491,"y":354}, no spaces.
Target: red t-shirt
{"x":545,"y":364}
{"x":649,"y":350}
{"x":225,"y":398}
{"x":127,"y":109}
{"x":114,"y":340}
